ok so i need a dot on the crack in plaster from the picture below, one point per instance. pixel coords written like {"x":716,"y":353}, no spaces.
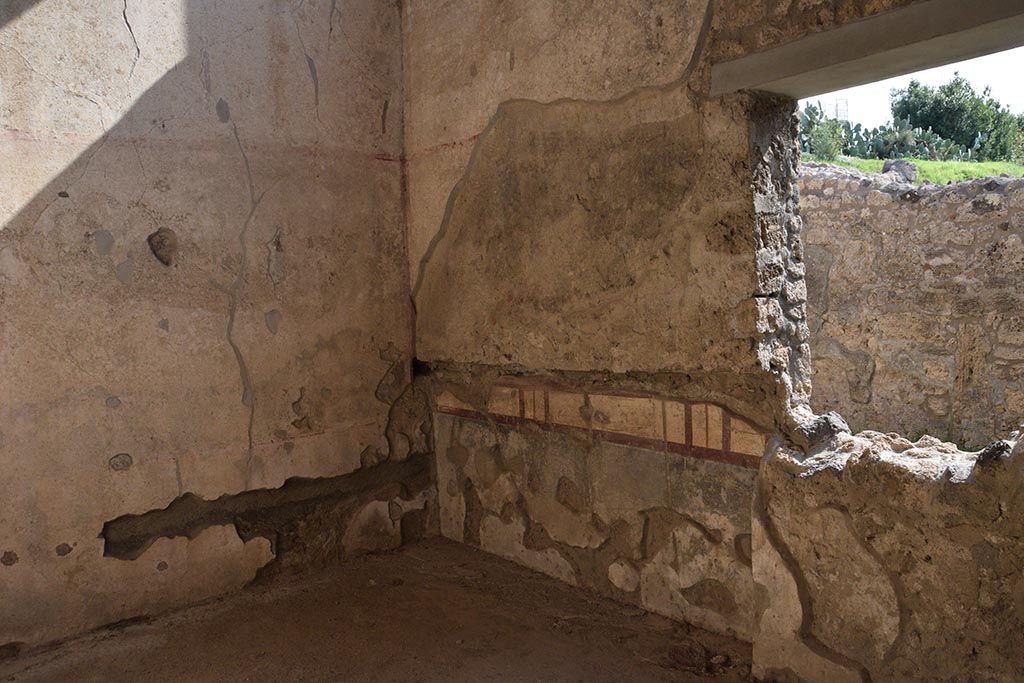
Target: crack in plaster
{"x":805,"y":632}
{"x":56,"y":84}
{"x":330,"y":22}
{"x":309,"y":63}
{"x":248,"y":395}
{"x":88,"y":163}
{"x":135,"y":42}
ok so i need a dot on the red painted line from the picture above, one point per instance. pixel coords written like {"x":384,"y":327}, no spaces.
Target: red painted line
{"x":522,"y":404}
{"x":696,"y":452}
{"x":664,"y":423}
{"x":689,"y":425}
{"x":449,"y":145}
{"x":511,"y":383}
{"x":547,"y":407}
{"x":644,"y":442}
{"x":752,"y":462}
{"x":726,"y":431}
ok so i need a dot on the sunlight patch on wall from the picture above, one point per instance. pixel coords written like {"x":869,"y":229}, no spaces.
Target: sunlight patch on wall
{"x":59,"y":95}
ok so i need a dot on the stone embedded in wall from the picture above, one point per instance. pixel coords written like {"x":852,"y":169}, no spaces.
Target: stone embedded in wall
{"x":913,"y":304}
{"x":869,"y":548}
{"x":164,"y":245}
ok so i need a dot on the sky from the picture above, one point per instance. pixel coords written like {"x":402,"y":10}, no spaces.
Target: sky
{"x":869,"y":104}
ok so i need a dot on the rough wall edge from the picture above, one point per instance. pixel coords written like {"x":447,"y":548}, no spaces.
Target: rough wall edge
{"x":253,"y":513}
{"x":851,"y":463}
{"x":780,"y":294}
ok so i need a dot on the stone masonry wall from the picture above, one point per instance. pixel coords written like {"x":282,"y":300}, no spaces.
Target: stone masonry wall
{"x":915,"y":302}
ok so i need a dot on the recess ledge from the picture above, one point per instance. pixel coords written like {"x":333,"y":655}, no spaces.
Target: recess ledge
{"x":923,"y":35}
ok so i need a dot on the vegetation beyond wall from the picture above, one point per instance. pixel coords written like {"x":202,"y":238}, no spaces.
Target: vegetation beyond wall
{"x":950,"y":123}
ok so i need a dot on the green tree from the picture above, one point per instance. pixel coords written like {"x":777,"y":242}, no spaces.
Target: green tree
{"x":826,"y":140}
{"x":956,"y":112}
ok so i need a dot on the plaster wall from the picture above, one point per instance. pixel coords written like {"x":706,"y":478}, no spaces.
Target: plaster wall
{"x":265,"y":337}
{"x":648,"y":241}
{"x":582,"y":219}
{"x":577,"y":202}
{"x":914,"y":303}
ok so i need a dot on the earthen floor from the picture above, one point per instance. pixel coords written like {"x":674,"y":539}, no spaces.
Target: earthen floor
{"x":432,"y":612}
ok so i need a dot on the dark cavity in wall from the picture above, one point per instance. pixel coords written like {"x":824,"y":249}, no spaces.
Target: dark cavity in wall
{"x":164,"y":245}
{"x":11,"y":650}
{"x":286,"y":516}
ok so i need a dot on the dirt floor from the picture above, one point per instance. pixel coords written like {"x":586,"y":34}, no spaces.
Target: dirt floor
{"x":432,"y":612}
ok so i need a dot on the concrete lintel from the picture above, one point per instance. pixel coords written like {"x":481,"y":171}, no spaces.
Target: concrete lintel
{"x":923,"y":35}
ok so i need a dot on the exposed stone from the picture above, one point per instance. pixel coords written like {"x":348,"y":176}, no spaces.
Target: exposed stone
{"x":623,"y":576}
{"x":164,"y":245}
{"x":995,"y":451}
{"x":822,"y":428}
{"x":120,"y":462}
{"x":902,"y":168}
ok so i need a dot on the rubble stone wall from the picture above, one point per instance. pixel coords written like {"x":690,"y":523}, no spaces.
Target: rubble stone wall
{"x":916,"y":302}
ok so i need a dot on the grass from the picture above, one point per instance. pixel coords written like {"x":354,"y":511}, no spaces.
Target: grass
{"x":939,"y":172}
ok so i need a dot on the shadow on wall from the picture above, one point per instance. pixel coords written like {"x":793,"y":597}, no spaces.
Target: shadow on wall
{"x":12,"y":9}
{"x":202,"y":280}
